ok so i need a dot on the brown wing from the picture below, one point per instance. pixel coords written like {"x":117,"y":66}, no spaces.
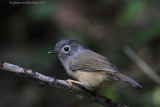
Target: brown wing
{"x":90,"y":61}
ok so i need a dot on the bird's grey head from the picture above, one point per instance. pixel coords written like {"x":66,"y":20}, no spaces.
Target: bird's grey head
{"x":67,"y":48}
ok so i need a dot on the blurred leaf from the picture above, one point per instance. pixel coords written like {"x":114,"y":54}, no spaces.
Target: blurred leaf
{"x":147,"y":34}
{"x":156,"y":97}
{"x":147,"y":99}
{"x":131,"y":10}
{"x":110,"y":93}
{"x":41,"y":11}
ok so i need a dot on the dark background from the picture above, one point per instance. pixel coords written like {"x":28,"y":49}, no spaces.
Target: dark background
{"x":29,"y":29}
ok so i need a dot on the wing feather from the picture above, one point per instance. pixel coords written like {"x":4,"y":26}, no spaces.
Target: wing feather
{"x":90,"y":61}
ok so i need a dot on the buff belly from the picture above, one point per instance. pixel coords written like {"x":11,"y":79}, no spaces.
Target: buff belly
{"x":91,"y":80}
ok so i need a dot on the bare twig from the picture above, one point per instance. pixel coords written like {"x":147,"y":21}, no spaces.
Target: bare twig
{"x":142,"y":64}
{"x":60,"y":84}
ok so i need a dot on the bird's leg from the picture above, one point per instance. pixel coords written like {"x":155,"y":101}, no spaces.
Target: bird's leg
{"x":73,"y":81}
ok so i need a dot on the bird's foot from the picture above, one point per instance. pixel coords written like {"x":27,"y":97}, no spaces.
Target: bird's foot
{"x":72,"y":81}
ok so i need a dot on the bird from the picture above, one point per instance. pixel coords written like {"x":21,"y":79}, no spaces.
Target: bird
{"x":88,"y":68}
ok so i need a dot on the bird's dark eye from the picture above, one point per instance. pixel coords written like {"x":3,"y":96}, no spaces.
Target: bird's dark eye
{"x":66,"y":49}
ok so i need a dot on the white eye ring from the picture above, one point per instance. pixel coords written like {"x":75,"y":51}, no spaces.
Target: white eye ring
{"x":66,"y":48}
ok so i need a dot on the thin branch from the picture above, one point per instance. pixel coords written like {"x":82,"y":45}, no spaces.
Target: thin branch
{"x":60,"y":84}
{"x":142,"y":64}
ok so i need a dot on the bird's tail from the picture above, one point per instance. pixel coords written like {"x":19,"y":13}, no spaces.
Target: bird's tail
{"x":119,"y":76}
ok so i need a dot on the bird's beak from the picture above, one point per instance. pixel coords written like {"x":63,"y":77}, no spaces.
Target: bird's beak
{"x":52,"y":52}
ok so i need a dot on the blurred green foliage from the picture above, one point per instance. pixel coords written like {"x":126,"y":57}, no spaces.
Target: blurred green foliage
{"x":156,"y":97}
{"x":148,"y":34}
{"x":131,"y":11}
{"x":110,"y":93}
